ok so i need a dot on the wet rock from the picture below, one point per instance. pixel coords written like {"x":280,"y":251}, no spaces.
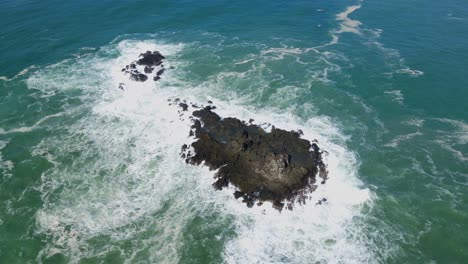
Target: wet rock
{"x":184,"y":106}
{"x":276,"y":166}
{"x":161,"y":71}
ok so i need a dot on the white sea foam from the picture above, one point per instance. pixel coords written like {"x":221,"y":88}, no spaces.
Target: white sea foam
{"x":129,"y":168}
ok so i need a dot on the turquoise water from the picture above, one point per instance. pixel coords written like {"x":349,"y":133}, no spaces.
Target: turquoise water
{"x":91,"y":174}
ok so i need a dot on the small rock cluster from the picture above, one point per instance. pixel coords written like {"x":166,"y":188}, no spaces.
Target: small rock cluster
{"x":277,"y":166}
{"x":151,"y":62}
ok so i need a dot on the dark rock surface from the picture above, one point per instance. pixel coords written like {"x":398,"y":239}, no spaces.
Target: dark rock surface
{"x":151,"y":58}
{"x":276,"y":166}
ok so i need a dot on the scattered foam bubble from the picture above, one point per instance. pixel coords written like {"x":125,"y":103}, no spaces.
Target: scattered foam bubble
{"x":410,"y":72}
{"x":461,"y":135}
{"x":396,"y":95}
{"x":415,"y":122}
{"x":394,"y":59}
{"x":397,"y":140}
{"x":19,"y":74}
{"x":6,"y":166}
{"x":30,"y":128}
{"x":118,"y":165}
{"x":454,"y":138}
{"x":281,"y":52}
{"x":450,"y":16}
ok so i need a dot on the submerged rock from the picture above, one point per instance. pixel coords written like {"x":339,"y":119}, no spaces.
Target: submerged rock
{"x":148,"y":69}
{"x":276,"y":166}
{"x":138,"y":77}
{"x":184,"y":106}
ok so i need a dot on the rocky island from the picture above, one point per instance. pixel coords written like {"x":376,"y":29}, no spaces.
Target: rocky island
{"x":276,"y":166}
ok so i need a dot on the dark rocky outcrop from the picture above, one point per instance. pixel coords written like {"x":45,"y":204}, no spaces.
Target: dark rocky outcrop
{"x":276,"y":166}
{"x":148,"y":60}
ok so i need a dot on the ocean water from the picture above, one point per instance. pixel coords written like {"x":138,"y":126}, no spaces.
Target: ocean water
{"x":92,"y":174}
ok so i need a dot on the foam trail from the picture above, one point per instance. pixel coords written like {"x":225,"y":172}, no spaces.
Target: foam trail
{"x":21,"y":73}
{"x":29,"y":128}
{"x":348,"y":24}
{"x":129,"y":168}
{"x":396,"y":141}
